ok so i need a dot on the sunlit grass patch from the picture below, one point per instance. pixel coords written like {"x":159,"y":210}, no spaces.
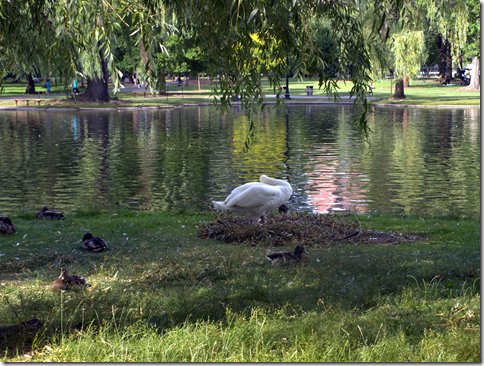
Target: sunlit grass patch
{"x":406,"y":327}
{"x":421,"y":92}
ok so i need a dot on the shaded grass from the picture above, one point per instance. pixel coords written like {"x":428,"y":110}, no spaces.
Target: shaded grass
{"x":160,"y":293}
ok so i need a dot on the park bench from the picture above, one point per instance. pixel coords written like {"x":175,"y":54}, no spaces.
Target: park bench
{"x":27,"y":101}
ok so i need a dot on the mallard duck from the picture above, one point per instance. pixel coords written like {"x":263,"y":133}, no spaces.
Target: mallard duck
{"x":287,"y":256}
{"x":257,"y":199}
{"x":93,"y":243}
{"x":66,"y":282}
{"x":50,"y":214}
{"x":7,"y":227}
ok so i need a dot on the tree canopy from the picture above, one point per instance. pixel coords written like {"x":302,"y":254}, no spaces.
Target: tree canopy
{"x":234,"y":36}
{"x":409,"y":49}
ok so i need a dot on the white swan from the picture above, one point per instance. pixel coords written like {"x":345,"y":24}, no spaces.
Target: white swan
{"x":257,"y":199}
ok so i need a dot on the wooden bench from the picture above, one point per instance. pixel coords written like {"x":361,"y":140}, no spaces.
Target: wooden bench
{"x":27,"y":101}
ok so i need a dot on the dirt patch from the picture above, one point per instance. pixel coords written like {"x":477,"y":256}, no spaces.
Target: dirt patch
{"x":468,"y":89}
{"x":313,"y":230}
{"x":407,"y":87}
{"x":80,"y":102}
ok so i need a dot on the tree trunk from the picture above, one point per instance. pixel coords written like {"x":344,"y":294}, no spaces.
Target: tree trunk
{"x":399,"y":90}
{"x":442,"y":55}
{"x":475,"y":82}
{"x":448,"y":59}
{"x":97,"y":87}
{"x":30,"y":89}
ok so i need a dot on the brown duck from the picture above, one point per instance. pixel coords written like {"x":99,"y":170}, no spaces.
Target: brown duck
{"x":93,"y":243}
{"x":45,"y":213}
{"x":7,"y":227}
{"x":66,"y":282}
{"x":287,"y":256}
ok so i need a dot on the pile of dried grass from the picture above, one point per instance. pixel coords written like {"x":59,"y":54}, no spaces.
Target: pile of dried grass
{"x":311,"y":230}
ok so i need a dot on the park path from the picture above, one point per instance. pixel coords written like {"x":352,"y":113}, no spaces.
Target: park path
{"x":129,"y":88}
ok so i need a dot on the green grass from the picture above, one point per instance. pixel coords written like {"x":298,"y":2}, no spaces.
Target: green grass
{"x":163,"y":294}
{"x":426,"y":92}
{"x":421,"y":92}
{"x":11,"y":89}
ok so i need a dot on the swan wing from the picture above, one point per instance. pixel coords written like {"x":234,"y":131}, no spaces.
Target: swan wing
{"x":245,"y":187}
{"x":257,"y":195}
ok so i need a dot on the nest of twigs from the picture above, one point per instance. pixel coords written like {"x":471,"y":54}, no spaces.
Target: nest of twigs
{"x":311,"y":230}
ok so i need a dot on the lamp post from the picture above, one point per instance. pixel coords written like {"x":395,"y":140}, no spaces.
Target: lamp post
{"x":287,"y":96}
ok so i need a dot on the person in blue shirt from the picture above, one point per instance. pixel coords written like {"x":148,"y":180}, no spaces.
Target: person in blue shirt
{"x":47,"y":85}
{"x":74,"y":87}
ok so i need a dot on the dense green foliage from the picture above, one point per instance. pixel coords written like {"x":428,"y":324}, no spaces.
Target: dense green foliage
{"x":409,"y":50}
{"x":162,"y":294}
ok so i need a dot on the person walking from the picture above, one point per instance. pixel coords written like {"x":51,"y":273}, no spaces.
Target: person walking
{"x":47,"y":86}
{"x":74,"y":87}
{"x":134,"y":78}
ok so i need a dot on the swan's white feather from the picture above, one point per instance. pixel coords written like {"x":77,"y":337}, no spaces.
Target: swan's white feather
{"x":257,"y":199}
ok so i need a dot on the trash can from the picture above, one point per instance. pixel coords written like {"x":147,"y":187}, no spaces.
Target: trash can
{"x":309,"y":90}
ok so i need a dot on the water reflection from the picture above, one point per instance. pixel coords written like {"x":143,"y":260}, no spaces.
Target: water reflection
{"x":421,"y":161}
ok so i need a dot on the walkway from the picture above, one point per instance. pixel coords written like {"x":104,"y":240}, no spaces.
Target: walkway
{"x":129,"y":88}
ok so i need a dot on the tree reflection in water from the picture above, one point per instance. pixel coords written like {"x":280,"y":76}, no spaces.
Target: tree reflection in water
{"x":421,"y":160}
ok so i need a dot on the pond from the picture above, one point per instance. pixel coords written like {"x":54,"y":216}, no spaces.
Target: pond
{"x":421,"y":161}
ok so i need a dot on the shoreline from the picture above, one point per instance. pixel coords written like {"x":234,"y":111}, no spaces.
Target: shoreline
{"x":299,"y":102}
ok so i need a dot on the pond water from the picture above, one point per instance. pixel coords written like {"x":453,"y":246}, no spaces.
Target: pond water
{"x":421,"y":161}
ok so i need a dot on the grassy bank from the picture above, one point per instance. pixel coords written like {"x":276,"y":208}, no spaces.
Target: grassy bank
{"x":161,"y":293}
{"x":425,"y":92}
